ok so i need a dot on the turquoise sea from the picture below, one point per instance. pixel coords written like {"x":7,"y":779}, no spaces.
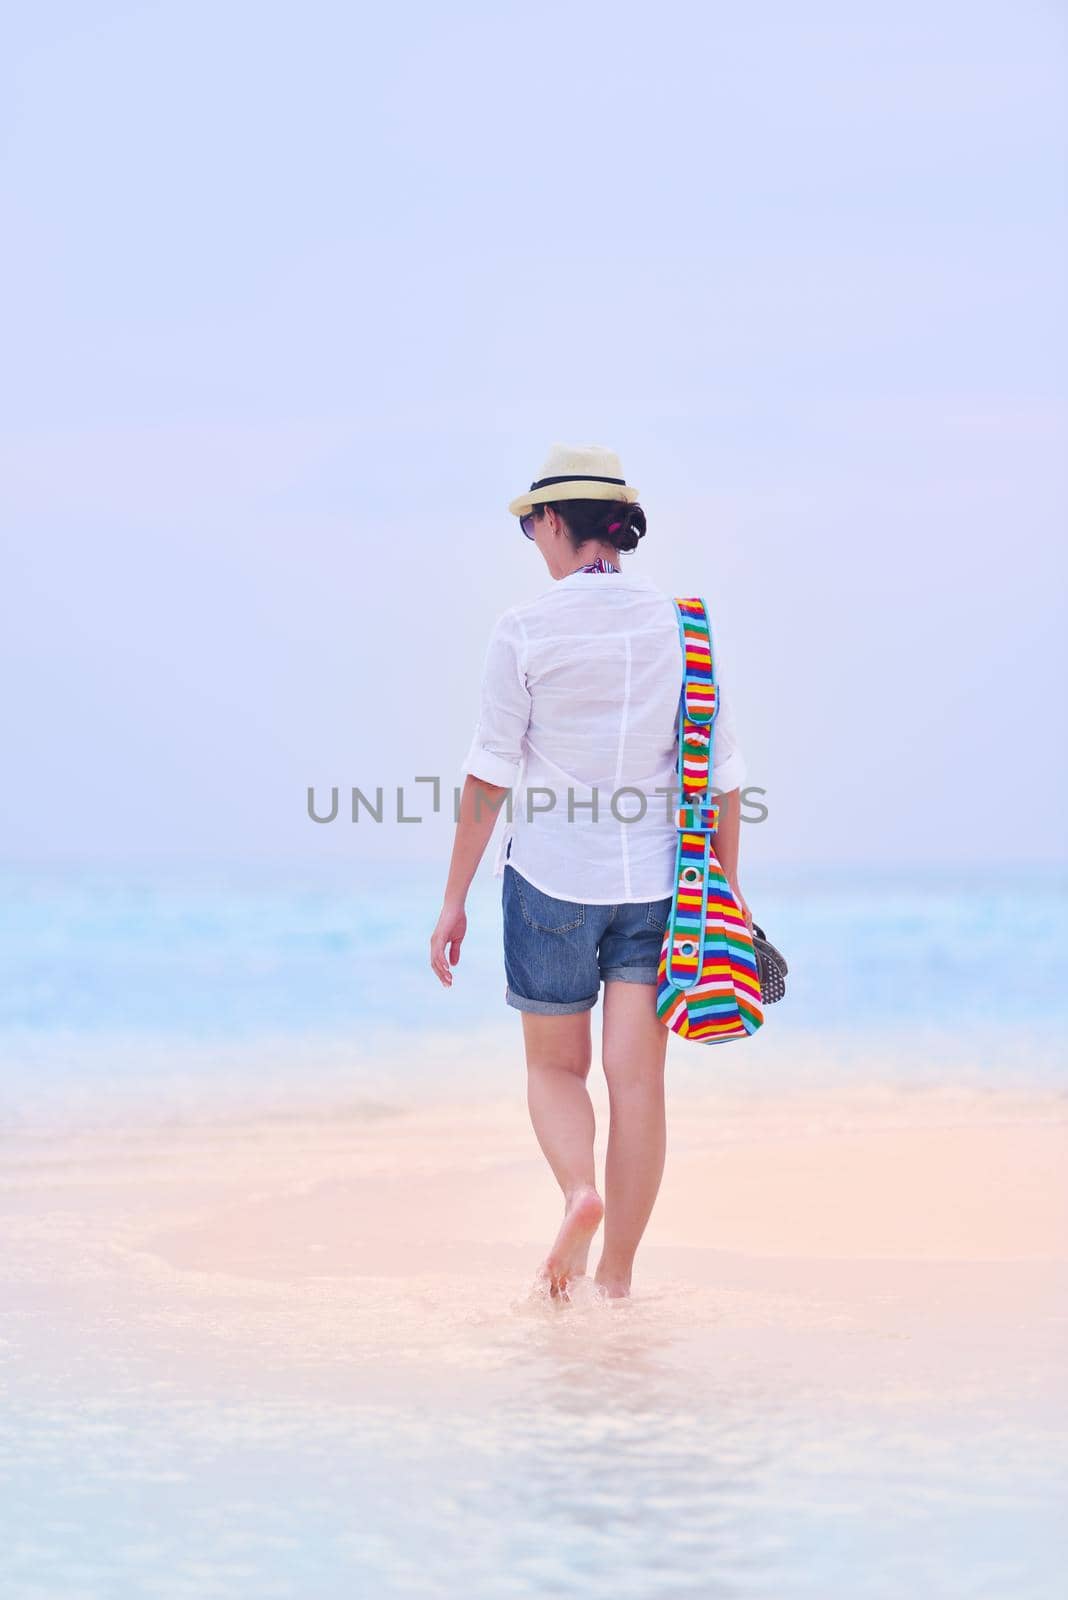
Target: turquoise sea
{"x":187,"y":984}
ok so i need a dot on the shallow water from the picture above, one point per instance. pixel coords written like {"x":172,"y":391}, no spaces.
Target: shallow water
{"x":227,"y":1375}
{"x":270,"y":1208}
{"x":631,"y":1449}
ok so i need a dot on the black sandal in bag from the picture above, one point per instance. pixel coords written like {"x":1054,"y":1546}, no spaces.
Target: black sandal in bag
{"x":771,"y":964}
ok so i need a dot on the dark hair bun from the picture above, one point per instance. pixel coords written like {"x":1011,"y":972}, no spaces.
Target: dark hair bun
{"x":616,"y":522}
{"x":624,"y":525}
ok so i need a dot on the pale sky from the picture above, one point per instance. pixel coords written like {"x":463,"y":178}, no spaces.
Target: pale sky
{"x":296,"y":299}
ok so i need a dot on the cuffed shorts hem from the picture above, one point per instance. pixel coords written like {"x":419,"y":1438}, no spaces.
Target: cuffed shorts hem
{"x":550,"y":1007}
{"x":631,"y":975}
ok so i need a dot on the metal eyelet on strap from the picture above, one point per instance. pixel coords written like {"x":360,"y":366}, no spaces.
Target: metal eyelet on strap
{"x":690,"y":874}
{"x":687,"y":949}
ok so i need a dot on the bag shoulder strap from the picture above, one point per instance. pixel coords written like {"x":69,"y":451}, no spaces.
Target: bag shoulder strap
{"x":699,"y":698}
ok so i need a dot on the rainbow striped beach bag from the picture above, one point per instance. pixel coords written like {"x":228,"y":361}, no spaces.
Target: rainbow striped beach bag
{"x":708,"y":984}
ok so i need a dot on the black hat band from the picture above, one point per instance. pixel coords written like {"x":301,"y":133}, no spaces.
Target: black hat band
{"x":576,"y":477}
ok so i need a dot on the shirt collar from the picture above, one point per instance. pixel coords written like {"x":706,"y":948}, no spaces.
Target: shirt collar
{"x":627,"y":580}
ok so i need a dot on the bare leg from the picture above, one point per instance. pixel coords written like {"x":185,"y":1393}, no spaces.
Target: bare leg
{"x":634,"y":1045}
{"x":559,"y":1054}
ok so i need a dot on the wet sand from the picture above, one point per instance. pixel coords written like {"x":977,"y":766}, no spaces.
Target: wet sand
{"x":889,"y":1264}
{"x":855,"y":1207}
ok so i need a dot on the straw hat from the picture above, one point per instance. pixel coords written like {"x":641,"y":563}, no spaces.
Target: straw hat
{"x":576,"y":472}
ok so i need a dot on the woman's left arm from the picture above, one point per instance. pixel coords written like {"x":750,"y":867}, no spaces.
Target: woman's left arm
{"x":480,"y":803}
{"x":492,"y":767}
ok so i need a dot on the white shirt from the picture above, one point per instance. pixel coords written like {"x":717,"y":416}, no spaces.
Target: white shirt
{"x":580,"y":692}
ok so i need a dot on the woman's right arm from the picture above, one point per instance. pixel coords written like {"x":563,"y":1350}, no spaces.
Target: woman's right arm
{"x":726,"y":844}
{"x":728,"y":775}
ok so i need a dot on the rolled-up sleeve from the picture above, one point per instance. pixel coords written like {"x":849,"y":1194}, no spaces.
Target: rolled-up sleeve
{"x":729,"y":770}
{"x":496,"y":750}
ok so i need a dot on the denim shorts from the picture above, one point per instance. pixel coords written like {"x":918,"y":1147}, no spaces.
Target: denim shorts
{"x":556,"y":952}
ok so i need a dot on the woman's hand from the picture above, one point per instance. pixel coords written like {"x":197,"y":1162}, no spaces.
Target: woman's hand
{"x":746,"y":913}
{"x":450,"y":930}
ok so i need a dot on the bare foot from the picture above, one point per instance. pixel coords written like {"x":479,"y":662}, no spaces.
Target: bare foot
{"x":567,"y":1258}
{"x":613,"y":1288}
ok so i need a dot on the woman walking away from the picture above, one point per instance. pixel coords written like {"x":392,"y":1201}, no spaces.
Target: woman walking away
{"x":580,"y":690}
